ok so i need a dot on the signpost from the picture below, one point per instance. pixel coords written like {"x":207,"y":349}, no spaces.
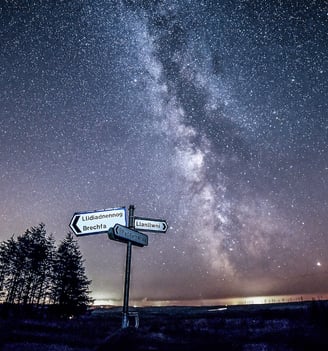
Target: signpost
{"x":150,"y":224}
{"x":114,"y":222}
{"x":97,"y":222}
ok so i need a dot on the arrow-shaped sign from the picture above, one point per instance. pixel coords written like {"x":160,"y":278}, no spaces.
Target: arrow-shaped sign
{"x":124,"y":234}
{"x":96,"y":222}
{"x":150,"y":224}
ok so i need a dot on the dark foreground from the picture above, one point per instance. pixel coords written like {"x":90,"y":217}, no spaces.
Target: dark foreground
{"x":294,"y":326}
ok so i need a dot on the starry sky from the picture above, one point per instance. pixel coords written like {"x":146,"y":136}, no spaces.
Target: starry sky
{"x":211,"y":115}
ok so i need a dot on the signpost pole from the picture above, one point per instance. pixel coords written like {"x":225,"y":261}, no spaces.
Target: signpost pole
{"x":125,"y":320}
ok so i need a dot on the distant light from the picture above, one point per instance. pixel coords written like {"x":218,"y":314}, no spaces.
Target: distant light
{"x":217,"y":309}
{"x":319,"y":264}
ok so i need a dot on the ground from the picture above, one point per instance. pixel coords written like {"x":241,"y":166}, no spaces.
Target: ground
{"x":293,"y":326}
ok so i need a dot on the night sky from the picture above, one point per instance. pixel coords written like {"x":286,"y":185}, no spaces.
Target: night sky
{"x":209,"y":114}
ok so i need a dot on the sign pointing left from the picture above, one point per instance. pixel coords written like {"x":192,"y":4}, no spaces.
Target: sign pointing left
{"x":97,"y":222}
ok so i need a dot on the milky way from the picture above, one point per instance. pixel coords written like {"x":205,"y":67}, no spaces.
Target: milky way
{"x":211,"y":115}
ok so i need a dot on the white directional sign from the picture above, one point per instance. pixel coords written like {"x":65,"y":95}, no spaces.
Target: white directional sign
{"x":124,"y":234}
{"x":150,"y":225}
{"x":96,"y":222}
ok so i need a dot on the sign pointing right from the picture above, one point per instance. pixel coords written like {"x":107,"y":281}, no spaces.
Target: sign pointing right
{"x":150,"y":224}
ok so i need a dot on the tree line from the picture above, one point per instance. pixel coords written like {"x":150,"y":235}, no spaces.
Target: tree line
{"x":34,"y":271}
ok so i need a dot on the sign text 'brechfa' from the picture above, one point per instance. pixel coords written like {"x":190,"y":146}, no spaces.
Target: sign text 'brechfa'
{"x":97,"y":222}
{"x":124,"y":234}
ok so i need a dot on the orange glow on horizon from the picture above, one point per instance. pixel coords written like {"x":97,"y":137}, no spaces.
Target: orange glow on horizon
{"x":251,"y":300}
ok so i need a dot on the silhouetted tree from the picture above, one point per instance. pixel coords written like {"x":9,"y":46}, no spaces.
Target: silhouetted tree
{"x":38,"y":250}
{"x":32,"y":271}
{"x":70,"y":284}
{"x":7,"y":256}
{"x":15,"y":274}
{"x":26,"y":266}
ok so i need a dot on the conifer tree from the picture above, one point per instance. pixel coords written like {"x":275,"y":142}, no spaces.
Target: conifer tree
{"x":70,"y":285}
{"x":32,"y":271}
{"x":26,"y":266}
{"x":8,"y":251}
{"x":38,"y":254}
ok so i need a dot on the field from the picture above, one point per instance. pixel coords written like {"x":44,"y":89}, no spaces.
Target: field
{"x":293,"y":326}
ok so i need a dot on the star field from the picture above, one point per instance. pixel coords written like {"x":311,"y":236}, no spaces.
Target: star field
{"x":211,"y":115}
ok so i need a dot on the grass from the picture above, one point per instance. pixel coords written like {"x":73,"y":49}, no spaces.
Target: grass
{"x":297,"y":326}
